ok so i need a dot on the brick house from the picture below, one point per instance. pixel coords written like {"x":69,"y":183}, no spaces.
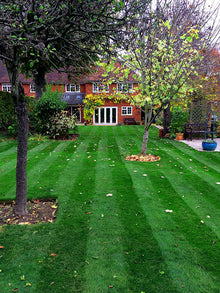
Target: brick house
{"x":75,"y":91}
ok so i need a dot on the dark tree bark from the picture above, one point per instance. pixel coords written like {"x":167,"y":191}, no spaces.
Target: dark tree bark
{"x":40,"y":82}
{"x":22,"y":115}
{"x":166,"y":120}
{"x":21,"y":177}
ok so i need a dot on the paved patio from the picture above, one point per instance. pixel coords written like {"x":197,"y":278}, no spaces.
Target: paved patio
{"x":197,"y":144}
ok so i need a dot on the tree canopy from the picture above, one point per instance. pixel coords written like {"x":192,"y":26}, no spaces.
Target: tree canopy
{"x":37,"y":36}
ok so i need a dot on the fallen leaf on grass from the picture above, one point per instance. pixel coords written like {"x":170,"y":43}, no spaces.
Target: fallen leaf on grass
{"x":169,"y":211}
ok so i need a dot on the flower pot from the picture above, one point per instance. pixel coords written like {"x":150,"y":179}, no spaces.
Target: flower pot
{"x":209,"y":145}
{"x":179,"y":136}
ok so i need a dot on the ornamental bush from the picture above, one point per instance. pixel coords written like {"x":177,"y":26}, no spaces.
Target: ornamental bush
{"x":48,"y":106}
{"x":61,"y":124}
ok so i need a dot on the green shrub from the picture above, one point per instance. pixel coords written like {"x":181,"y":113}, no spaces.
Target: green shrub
{"x":62,"y":123}
{"x":8,"y":117}
{"x":7,"y":110}
{"x":179,"y":118}
{"x":46,"y":107}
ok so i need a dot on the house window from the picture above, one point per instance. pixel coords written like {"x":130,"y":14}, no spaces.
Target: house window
{"x":72,"y":88}
{"x":99,"y":87}
{"x":32,"y":88}
{"x":126,"y":110}
{"x":124,"y":87}
{"x":6,"y":88}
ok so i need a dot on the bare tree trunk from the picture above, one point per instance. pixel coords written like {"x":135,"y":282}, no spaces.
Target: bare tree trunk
{"x":21,"y":176}
{"x":145,"y":141}
{"x":40,"y":82}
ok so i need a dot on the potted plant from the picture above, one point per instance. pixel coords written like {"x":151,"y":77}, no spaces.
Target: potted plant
{"x":209,"y":145}
{"x":179,"y":135}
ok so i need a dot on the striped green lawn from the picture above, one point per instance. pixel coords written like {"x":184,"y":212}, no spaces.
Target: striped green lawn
{"x":125,"y":242}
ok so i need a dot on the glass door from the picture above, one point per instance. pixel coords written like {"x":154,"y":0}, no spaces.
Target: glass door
{"x":105,"y":116}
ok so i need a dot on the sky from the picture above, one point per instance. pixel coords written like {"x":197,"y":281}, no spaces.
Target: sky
{"x":213,"y":4}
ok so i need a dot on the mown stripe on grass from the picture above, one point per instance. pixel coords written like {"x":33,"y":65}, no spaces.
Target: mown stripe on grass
{"x":182,"y":165}
{"x":36,"y":243}
{"x":143,"y":254}
{"x":154,"y":205}
{"x":43,"y":173}
{"x":8,"y":145}
{"x":106,"y":267}
{"x":191,"y":178}
{"x":65,"y":271}
{"x":195,"y":251}
{"x":6,"y":152}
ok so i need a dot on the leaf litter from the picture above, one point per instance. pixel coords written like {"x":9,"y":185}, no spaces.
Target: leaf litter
{"x":38,"y":211}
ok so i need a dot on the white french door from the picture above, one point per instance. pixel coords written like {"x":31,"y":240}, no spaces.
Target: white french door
{"x":106,"y":116}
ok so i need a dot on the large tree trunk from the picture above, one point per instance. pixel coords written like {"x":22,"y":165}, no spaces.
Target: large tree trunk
{"x":40,"y":82}
{"x":13,"y":69}
{"x":21,"y":176}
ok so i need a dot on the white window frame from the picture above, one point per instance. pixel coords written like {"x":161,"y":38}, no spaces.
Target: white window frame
{"x":99,"y":122}
{"x":32,"y":88}
{"x":6,"y":88}
{"x":98,"y":87}
{"x":122,"y":85}
{"x":72,"y":88}
{"x":126,"y":110}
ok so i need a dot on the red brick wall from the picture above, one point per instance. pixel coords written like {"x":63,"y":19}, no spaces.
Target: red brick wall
{"x":27,"y":91}
{"x":88,"y":89}
{"x":136,"y":113}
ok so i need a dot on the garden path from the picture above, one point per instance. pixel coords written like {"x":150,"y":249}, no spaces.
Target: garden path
{"x":197,"y":144}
